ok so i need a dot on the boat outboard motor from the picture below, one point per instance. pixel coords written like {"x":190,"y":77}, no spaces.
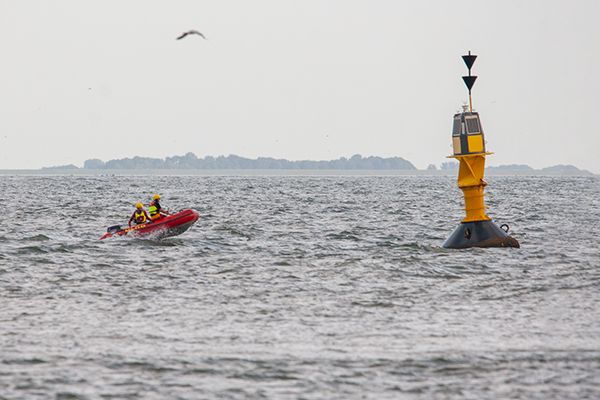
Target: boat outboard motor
{"x":113,"y":229}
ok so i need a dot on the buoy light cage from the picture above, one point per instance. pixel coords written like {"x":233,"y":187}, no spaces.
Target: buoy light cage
{"x":467,"y":134}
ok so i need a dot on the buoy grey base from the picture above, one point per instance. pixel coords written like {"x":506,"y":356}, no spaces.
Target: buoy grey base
{"x":479,"y":234}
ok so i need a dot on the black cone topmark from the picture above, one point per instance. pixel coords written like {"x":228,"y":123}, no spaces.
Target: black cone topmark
{"x":469,"y":60}
{"x":469,"y":81}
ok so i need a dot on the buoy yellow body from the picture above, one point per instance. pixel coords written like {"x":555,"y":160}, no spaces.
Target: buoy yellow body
{"x":469,"y":150}
{"x":468,"y":143}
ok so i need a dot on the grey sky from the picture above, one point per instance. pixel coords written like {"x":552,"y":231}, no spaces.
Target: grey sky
{"x":296,"y":79}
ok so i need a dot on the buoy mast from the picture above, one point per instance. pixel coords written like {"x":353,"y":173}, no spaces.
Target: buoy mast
{"x":469,"y":80}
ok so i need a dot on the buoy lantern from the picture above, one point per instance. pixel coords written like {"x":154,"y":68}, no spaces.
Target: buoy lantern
{"x":468,"y":143}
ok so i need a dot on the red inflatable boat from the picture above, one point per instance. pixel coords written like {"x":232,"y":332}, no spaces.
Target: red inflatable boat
{"x":165,"y":226}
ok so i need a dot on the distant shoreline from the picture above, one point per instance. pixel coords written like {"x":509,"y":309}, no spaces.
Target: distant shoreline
{"x":190,"y":164}
{"x":276,"y":172}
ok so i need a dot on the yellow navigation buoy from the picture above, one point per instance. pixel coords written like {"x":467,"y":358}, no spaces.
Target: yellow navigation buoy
{"x":468,"y":143}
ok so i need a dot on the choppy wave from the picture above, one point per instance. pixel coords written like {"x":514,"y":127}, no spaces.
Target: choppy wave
{"x":298,"y":287}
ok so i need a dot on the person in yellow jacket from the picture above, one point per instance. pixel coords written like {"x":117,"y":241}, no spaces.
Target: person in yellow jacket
{"x":139,"y":216}
{"x":155,"y":210}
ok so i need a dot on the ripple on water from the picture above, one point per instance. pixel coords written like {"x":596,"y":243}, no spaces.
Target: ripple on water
{"x":37,"y":238}
{"x":298,"y":287}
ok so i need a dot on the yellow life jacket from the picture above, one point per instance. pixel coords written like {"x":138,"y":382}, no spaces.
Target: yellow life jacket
{"x":152,"y":210}
{"x":140,"y":217}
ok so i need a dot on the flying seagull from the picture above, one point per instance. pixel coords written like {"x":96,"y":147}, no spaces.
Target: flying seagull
{"x":184,"y":34}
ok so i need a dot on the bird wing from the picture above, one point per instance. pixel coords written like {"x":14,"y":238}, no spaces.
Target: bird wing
{"x":195,"y":32}
{"x":184,"y":34}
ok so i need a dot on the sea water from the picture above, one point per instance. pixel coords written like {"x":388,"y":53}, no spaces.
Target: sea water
{"x":298,"y":287}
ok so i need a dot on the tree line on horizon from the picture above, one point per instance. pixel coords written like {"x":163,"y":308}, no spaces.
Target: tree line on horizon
{"x":356,"y":162}
{"x":191,"y":161}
